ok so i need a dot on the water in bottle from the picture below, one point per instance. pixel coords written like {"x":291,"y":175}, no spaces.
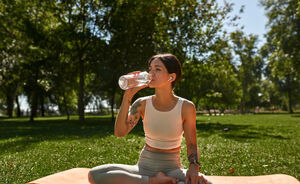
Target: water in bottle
{"x":133,"y":80}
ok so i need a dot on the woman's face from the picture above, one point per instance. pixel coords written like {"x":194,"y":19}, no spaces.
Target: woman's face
{"x":159,"y":74}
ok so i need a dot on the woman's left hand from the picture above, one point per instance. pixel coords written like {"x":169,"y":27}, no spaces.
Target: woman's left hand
{"x":192,"y":175}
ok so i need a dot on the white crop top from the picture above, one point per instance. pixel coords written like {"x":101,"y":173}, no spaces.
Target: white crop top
{"x":163,"y":130}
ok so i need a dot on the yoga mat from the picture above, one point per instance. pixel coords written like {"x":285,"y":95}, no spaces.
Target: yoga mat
{"x":79,"y":176}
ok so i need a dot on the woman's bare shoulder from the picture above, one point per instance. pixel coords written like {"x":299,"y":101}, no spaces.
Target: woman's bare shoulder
{"x":187,"y":103}
{"x":188,"y":107}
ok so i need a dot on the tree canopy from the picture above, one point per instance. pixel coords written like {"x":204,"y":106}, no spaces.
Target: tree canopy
{"x":70,"y":54}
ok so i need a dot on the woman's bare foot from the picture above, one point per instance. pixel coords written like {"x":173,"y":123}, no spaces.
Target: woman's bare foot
{"x":161,"y":178}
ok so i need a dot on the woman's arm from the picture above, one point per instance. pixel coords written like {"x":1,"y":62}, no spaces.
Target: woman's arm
{"x":128,"y":118}
{"x":189,"y":126}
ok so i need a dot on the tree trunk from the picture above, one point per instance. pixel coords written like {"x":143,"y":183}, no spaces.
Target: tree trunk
{"x":242,"y":105}
{"x":33,"y":105}
{"x":290,"y":101}
{"x":243,"y":102}
{"x":18,"y":107}
{"x":10,"y":104}
{"x":208,"y":109}
{"x":81,"y":92}
{"x":99,"y":107}
{"x":66,"y":106}
{"x":42,"y":106}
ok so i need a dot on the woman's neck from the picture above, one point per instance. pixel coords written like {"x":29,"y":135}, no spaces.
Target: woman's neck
{"x":164,"y":96}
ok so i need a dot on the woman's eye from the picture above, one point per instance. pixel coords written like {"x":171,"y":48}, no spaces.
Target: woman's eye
{"x":154,"y":69}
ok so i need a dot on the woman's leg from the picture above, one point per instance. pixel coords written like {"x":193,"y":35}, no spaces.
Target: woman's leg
{"x":116,"y":173}
{"x":125,"y":174}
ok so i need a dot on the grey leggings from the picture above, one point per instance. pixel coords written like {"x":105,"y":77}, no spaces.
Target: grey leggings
{"x":149,"y":164}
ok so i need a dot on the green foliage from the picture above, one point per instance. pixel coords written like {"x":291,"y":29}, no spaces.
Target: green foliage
{"x":284,"y":48}
{"x":194,"y":35}
{"x":65,"y":52}
{"x":249,"y":68}
{"x":210,"y":85}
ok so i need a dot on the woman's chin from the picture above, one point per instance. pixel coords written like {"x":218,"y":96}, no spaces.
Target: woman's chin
{"x":151,"y":85}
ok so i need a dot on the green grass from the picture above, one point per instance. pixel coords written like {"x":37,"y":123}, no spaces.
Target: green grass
{"x":253,"y":145}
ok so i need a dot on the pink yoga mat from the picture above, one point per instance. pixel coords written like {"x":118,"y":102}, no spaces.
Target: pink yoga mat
{"x":79,"y":176}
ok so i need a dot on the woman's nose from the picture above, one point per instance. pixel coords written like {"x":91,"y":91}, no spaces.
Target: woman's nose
{"x":150,"y":74}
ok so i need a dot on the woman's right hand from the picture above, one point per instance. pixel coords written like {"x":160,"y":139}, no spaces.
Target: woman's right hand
{"x":126,"y":121}
{"x":129,"y":93}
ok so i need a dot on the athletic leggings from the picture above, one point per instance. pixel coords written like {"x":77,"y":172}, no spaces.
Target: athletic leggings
{"x":149,"y":164}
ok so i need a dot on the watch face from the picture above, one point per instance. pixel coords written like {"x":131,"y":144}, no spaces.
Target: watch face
{"x":193,"y":160}
{"x":197,"y":163}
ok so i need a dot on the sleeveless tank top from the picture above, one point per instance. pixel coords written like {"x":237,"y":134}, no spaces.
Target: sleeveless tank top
{"x":163,"y":130}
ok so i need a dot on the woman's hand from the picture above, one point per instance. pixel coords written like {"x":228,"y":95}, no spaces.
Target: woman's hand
{"x":126,"y":121}
{"x":192,"y":175}
{"x":129,"y":93}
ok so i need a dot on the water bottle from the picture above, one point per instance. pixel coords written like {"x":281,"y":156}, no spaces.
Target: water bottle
{"x":133,"y":80}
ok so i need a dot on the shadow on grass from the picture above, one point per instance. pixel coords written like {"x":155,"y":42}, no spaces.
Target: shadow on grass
{"x":19,"y":134}
{"x":54,"y":128}
{"x":296,"y":116}
{"x":239,"y":133}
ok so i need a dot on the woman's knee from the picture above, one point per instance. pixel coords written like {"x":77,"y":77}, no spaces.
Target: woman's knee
{"x":113,"y":176}
{"x":102,"y":169}
{"x":96,"y":172}
{"x":110,"y":171}
{"x":113,"y":167}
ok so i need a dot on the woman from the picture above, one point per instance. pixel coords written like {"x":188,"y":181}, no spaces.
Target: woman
{"x":165,"y":117}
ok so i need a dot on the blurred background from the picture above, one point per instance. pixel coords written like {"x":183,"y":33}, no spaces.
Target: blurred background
{"x":64,"y":57}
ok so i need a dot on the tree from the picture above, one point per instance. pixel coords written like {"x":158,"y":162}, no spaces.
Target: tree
{"x":37,"y":32}
{"x":9,"y":79}
{"x":130,"y":25}
{"x":282,"y":73}
{"x":271,"y":97}
{"x":250,"y":67}
{"x":81,"y":23}
{"x":284,"y":47}
{"x":10,"y":53}
{"x":192,"y":30}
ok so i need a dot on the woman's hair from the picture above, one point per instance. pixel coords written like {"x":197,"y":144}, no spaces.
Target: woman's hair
{"x":171,"y":63}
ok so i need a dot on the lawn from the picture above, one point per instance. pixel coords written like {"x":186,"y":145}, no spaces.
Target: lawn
{"x":229,"y":145}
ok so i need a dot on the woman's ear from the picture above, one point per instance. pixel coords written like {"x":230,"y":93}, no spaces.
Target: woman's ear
{"x":172,"y":77}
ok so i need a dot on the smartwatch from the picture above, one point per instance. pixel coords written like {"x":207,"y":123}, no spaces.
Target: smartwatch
{"x":194,"y":161}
